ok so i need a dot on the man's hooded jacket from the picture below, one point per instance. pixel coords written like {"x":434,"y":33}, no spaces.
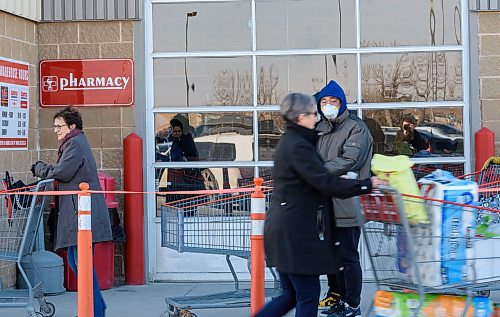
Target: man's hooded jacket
{"x":345,"y":144}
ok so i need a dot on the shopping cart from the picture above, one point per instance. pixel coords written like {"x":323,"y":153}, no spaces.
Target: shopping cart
{"x":489,"y":175}
{"x":211,"y":224}
{"x":408,"y":257}
{"x":420,"y":170}
{"x":20,"y":217}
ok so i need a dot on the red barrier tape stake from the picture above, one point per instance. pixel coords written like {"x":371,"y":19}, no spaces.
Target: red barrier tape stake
{"x":85,"y":290}
{"x":257,"y":266}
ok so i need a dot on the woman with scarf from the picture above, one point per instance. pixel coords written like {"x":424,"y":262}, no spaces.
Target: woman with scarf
{"x":75,"y":164}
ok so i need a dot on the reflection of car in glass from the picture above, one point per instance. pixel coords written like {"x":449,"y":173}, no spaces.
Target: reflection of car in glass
{"x":224,"y":147}
{"x":444,"y":139}
{"x":441,"y":130}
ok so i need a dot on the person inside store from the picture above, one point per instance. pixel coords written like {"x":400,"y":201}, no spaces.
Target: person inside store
{"x":408,"y":140}
{"x":180,"y":148}
{"x":346,"y":145}
{"x":75,"y":164}
{"x":298,"y":235}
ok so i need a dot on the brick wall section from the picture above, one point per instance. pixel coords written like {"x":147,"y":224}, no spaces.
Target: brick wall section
{"x":489,"y":72}
{"x":18,"y":41}
{"x":105,"y":127}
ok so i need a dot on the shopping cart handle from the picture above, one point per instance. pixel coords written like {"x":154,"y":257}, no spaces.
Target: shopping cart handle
{"x":386,"y":189}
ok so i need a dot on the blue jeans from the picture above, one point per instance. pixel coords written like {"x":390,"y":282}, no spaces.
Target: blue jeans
{"x":300,"y":292}
{"x":99,"y":305}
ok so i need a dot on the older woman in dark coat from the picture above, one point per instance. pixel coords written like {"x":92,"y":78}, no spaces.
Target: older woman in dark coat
{"x":297,"y":233}
{"x":75,"y":164}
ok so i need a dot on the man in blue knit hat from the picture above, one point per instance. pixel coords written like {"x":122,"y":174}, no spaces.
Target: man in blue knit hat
{"x":346,"y":145}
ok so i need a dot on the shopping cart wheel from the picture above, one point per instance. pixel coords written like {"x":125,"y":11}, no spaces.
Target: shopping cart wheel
{"x":484,"y":293}
{"x":38,"y":314}
{"x":49,"y":310}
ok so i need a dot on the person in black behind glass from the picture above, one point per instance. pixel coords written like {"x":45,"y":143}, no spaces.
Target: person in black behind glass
{"x":182,"y":149}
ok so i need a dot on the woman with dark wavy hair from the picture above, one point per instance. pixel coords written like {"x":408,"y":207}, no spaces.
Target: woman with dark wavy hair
{"x":75,"y":164}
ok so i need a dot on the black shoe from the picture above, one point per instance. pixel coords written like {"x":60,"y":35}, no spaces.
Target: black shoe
{"x":330,"y":299}
{"x":347,"y":311}
{"x":337,"y":308}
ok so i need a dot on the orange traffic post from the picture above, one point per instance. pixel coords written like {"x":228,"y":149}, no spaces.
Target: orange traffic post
{"x":257,"y":266}
{"x":85,"y":290}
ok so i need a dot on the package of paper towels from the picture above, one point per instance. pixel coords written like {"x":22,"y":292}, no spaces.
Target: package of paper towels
{"x":444,"y":248}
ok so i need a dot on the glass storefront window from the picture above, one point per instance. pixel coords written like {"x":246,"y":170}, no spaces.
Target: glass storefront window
{"x":271,"y":127}
{"x":223,"y":136}
{"x":410,"y":22}
{"x":279,"y":75}
{"x":305,"y":24}
{"x":201,"y":27}
{"x":412,"y":77}
{"x":222,"y":67}
{"x":417,"y":132}
{"x":266,"y":173}
{"x":191,"y":179}
{"x":191,"y":82}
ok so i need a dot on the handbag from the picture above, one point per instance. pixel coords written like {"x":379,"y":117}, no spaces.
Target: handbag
{"x":18,"y":201}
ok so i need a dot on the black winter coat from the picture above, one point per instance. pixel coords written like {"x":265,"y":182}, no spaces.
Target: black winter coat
{"x":299,"y":224}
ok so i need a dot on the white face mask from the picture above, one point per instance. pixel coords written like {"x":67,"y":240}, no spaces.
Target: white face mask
{"x":330,"y":111}
{"x":318,"y":118}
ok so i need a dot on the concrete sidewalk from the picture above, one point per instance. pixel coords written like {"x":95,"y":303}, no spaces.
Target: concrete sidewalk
{"x":149,"y":300}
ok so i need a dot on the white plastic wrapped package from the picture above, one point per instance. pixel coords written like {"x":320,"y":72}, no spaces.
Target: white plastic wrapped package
{"x":444,"y":249}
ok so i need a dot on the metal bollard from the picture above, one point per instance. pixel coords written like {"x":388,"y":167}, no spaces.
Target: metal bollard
{"x":134,"y":211}
{"x":85,"y":278}
{"x":257,"y":266}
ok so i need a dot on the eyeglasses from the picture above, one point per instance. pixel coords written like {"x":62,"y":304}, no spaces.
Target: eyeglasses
{"x":314,"y":113}
{"x":58,"y":127}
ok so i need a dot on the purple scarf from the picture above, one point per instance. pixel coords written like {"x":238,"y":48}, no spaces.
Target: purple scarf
{"x":71,"y":134}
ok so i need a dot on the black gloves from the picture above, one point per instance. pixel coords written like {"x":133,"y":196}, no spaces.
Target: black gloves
{"x":33,"y":168}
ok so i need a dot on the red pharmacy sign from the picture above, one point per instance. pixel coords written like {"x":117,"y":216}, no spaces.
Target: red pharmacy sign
{"x":87,"y":82}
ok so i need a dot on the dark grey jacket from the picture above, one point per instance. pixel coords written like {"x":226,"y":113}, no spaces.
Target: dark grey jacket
{"x":345,"y":144}
{"x":75,"y":166}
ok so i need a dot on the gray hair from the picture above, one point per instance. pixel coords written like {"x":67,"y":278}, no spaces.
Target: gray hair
{"x":296,"y":104}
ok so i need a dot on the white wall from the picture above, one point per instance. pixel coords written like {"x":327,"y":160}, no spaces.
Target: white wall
{"x":29,"y":9}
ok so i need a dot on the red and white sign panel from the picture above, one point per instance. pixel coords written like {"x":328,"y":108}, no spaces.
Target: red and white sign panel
{"x":14,"y":103}
{"x":87,"y":82}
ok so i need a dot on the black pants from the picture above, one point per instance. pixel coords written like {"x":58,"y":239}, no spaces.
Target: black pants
{"x":348,"y":282}
{"x":300,"y":292}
